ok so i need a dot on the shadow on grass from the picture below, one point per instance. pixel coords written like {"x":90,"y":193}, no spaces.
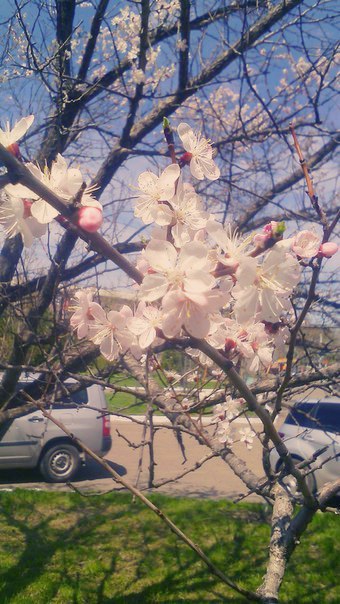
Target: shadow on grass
{"x":41,"y":538}
{"x":109,"y":550}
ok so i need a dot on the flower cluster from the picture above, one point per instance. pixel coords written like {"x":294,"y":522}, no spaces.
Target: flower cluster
{"x":106,"y":330}
{"x":126,"y":25}
{"x":201,"y":279}
{"x":223,"y":415}
{"x":22,"y":211}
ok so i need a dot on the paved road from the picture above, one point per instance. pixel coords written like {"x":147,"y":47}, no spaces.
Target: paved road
{"x":213,"y":479}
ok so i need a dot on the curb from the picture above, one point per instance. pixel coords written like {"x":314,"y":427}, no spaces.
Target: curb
{"x":159,"y":420}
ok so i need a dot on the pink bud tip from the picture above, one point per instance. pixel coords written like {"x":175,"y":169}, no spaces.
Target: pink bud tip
{"x":269,"y":228}
{"x":89,"y":218}
{"x":328,"y":249}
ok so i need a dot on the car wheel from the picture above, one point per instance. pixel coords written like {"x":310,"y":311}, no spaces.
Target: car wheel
{"x":60,"y":463}
{"x":290,"y":482}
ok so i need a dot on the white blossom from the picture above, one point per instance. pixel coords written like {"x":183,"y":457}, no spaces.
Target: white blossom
{"x":182,"y":308}
{"x":264,"y":293}
{"x":65,"y":182}
{"x":247,"y":436}
{"x":145,"y":323}
{"x":155,"y":189}
{"x":109,"y":331}
{"x":15,"y":217}
{"x":187,"y":270}
{"x":225,"y":433}
{"x":228,"y":410}
{"x":82,"y":318}
{"x":306,"y":244}
{"x":8,"y":136}
{"x":201,"y":162}
{"x":184,"y":214}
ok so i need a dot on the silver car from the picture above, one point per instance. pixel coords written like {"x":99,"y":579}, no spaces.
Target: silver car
{"x":32,"y":440}
{"x":311,"y":432}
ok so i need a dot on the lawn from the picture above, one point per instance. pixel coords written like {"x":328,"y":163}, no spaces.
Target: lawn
{"x":129,"y":404}
{"x":126,"y":403}
{"x":62,"y":548}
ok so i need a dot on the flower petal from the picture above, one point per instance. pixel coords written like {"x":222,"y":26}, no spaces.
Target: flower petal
{"x":196,"y":322}
{"x":137,"y":325}
{"x":153,"y":287}
{"x":147,"y":181}
{"x":109,"y":348}
{"x":162,"y":214}
{"x":147,"y":337}
{"x":43,"y":211}
{"x":21,"y":128}
{"x":172,"y":323}
{"x":193,"y":256}
{"x":167,"y":180}
{"x":187,"y":136}
{"x":196,"y":168}
{"x":198,"y":282}
{"x":98,"y":313}
{"x":210,"y":169}
{"x":161,"y":255}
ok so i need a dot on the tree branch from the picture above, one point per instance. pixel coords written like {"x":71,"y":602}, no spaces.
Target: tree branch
{"x":92,"y":39}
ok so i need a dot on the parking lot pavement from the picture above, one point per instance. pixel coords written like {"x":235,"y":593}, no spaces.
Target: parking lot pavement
{"x":213,"y":479}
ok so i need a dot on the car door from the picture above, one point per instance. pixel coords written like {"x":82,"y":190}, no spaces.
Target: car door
{"x":76,"y":415}
{"x":83,"y":414}
{"x":21,"y":440}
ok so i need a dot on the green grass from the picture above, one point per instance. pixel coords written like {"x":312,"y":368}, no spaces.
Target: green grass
{"x":125,"y":403}
{"x":128,"y":403}
{"x":60,"y":548}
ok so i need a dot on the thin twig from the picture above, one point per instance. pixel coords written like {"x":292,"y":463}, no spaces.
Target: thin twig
{"x":309,"y":182}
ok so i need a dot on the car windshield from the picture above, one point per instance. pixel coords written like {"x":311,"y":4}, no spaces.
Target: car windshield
{"x":327,"y":416}
{"x":316,"y":416}
{"x":301,"y":415}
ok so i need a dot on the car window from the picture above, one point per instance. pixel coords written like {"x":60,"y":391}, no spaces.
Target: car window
{"x":74,"y":400}
{"x":302,"y":415}
{"x":327,"y":416}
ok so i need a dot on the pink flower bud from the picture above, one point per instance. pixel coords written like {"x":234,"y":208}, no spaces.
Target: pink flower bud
{"x":275,"y":229}
{"x":328,"y":249}
{"x":89,"y":218}
{"x":270,"y":227}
